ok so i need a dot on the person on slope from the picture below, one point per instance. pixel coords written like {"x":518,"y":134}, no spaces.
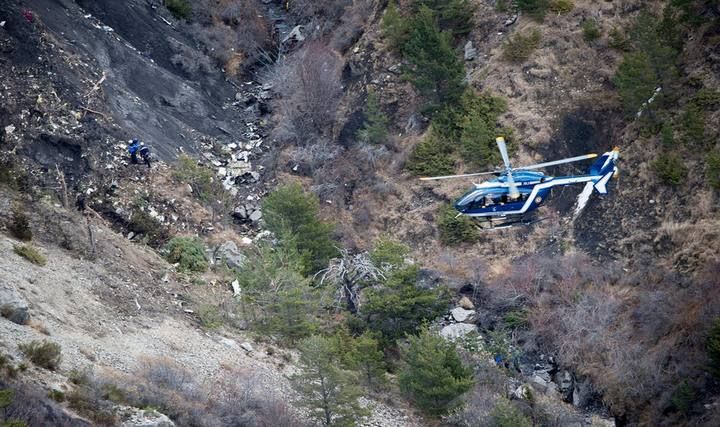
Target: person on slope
{"x":133,"y":148}
{"x":145,"y":153}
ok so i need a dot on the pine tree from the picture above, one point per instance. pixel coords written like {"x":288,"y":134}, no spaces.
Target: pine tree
{"x":375,"y":129}
{"x":399,"y":307}
{"x":452,"y":15}
{"x":395,"y":28}
{"x":290,"y":213}
{"x":326,"y":389}
{"x":436,"y":71}
{"x":368,"y":359}
{"x":432,"y":374}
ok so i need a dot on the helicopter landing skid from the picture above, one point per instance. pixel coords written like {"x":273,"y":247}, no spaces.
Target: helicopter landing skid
{"x":500,"y":222}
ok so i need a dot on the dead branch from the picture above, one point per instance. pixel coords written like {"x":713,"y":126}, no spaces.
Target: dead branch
{"x":96,"y":86}
{"x":89,"y":110}
{"x":63,"y":186}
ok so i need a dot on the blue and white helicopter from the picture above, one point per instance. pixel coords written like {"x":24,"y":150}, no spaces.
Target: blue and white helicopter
{"x":510,"y":198}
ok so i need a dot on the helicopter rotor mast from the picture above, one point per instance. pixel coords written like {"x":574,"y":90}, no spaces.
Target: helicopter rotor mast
{"x":513,"y":193}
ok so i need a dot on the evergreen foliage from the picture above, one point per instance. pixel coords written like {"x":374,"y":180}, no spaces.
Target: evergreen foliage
{"x":20,"y":226}
{"x":436,"y":71}
{"x":389,"y":252}
{"x":669,"y":168}
{"x":454,"y":229}
{"x":591,"y":30}
{"x":394,"y":26}
{"x":432,"y":373}
{"x":180,"y":9}
{"x":326,"y":390}
{"x":276,"y":298}
{"x":400,"y":306}
{"x":505,"y":414}
{"x":517,"y":49}
{"x":188,"y":253}
{"x":431,"y":157}
{"x":712,"y":169}
{"x":292,"y":214}
{"x":712,"y":345}
{"x":454,"y":16}
{"x":693,"y":126}
{"x":683,"y":397}
{"x":361,"y":354}
{"x":536,"y":9}
{"x":651,"y":64}
{"x":375,"y":129}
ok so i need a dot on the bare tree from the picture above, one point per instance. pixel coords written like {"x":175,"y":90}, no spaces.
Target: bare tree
{"x":309,"y":83}
{"x":350,"y":273}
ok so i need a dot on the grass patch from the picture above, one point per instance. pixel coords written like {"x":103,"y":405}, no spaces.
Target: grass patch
{"x":561,"y":6}
{"x":44,"y":353}
{"x":591,"y":30}
{"x":31,"y":254}
{"x":669,"y":168}
{"x":712,"y":169}
{"x":519,"y":47}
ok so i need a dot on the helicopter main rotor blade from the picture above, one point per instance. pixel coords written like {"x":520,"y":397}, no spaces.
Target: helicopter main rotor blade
{"x":513,"y":193}
{"x":503,"y":151}
{"x":465,"y":175}
{"x":558,"y":162}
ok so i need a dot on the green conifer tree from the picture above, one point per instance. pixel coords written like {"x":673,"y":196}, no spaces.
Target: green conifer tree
{"x":432,"y":374}
{"x":326,"y":389}
{"x":375,"y":129}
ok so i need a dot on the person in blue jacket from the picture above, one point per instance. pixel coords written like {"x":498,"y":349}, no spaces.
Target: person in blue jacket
{"x":133,"y":149}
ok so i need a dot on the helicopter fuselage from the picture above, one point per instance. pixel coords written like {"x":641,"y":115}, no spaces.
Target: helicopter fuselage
{"x":493,"y":198}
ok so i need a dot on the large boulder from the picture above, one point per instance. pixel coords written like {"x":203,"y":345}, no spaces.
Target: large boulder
{"x":230,"y":253}
{"x":462,"y":315}
{"x":565,"y":382}
{"x":13,"y":306}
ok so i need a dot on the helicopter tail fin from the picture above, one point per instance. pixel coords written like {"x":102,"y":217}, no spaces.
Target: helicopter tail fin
{"x":601,"y":184}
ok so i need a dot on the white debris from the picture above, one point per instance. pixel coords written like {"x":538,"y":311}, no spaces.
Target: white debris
{"x":9,"y":129}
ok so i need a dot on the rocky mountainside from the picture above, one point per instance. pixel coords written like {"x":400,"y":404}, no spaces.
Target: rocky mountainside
{"x":188,"y":289}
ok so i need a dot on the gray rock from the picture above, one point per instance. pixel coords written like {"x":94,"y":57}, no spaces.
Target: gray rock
{"x":256,"y":216}
{"x":462,"y":315}
{"x":565,"y":382}
{"x":470,"y":51}
{"x":13,"y":306}
{"x":134,"y":417}
{"x":247,"y":347}
{"x":457,"y":330}
{"x":229,"y":252}
{"x":240,"y":212}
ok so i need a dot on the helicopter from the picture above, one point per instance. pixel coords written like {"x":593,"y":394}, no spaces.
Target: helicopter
{"x":513,"y":196}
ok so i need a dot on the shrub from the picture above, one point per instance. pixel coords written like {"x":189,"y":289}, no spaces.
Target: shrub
{"x":683,"y":397}
{"x":669,"y":168}
{"x":31,"y":254}
{"x":712,"y":345}
{"x":455,"y":16}
{"x":20,"y":226}
{"x":518,"y":48}
{"x":389,"y":252}
{"x":534,"y":8}
{"x":200,"y":178}
{"x":561,"y":6}
{"x":618,"y":40}
{"x":188,"y":252}
{"x":591,"y":30}
{"x":292,"y":214}
{"x":706,"y":98}
{"x":667,"y":134}
{"x":45,"y":354}
{"x":431,"y":157}
{"x":712,"y":169}
{"x":635,"y":80}
{"x":210,"y":316}
{"x":693,"y":126}
{"x":374,"y":131}
{"x":432,"y":373}
{"x":180,"y":9}
{"x":141,"y":223}
{"x":505,"y":414}
{"x":394,"y":26}
{"x":455,"y":229}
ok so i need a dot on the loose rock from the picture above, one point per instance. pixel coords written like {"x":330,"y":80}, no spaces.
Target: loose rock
{"x":13,"y":306}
